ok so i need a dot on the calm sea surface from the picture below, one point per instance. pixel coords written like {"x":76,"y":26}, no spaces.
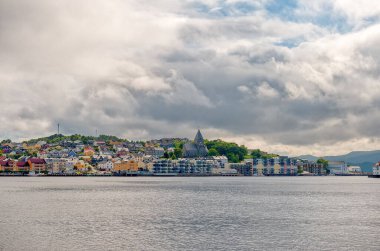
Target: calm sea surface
{"x":200,"y":213}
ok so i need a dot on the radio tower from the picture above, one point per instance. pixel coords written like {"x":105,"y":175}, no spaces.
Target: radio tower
{"x":58,"y":128}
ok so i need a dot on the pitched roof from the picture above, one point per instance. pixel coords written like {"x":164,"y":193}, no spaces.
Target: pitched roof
{"x":189,"y":147}
{"x":3,"y":162}
{"x":198,"y":137}
{"x":22,"y":163}
{"x":37,"y":161}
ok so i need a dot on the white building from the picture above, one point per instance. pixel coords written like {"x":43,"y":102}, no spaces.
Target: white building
{"x":70,"y":163}
{"x":105,"y":165}
{"x":338,"y":167}
{"x":155,"y":151}
{"x":376,"y":169}
{"x":354,"y":169}
{"x":55,"y":165}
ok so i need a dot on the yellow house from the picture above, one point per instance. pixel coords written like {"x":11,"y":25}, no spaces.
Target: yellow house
{"x":88,"y":151}
{"x":37,"y":164}
{"x":21,"y":166}
{"x":37,"y":147}
{"x":130,"y":165}
{"x":80,"y":165}
{"x":277,"y":168}
{"x":141,"y":165}
{"x":86,"y":159}
{"x":115,"y":143}
{"x":15,"y":166}
{"x":260,"y":168}
{"x":5,"y":164}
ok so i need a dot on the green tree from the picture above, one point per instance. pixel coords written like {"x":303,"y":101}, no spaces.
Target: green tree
{"x":213,"y":152}
{"x":178,"y":152}
{"x":233,"y":151}
{"x":6,"y":141}
{"x":256,"y":154}
{"x":299,"y":170}
{"x":178,"y":145}
{"x":172,"y":155}
{"x":325,"y":164}
{"x":16,"y":156}
{"x":233,"y":157}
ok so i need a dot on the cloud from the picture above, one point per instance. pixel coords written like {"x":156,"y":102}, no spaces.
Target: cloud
{"x":297,"y":78}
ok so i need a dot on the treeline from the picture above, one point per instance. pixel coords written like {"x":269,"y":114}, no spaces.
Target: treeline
{"x":258,"y":154}
{"x":232,"y":151}
{"x":56,"y":138}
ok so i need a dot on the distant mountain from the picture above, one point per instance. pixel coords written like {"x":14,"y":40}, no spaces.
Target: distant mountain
{"x":365,"y":166}
{"x":364,"y":159}
{"x":308,"y":157}
{"x":357,"y":157}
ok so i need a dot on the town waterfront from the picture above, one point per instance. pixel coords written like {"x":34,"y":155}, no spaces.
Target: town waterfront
{"x":189,"y":213}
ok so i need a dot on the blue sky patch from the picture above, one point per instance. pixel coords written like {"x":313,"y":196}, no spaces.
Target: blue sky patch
{"x":283,"y":9}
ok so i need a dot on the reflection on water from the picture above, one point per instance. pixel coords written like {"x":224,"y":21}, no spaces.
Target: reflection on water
{"x":200,"y":213}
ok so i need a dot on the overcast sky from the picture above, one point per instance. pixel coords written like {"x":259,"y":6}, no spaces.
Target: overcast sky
{"x":291,"y":77}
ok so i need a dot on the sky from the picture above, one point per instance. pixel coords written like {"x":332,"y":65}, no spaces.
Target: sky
{"x":289,"y":77}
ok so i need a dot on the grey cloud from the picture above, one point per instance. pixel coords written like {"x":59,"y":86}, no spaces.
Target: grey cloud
{"x":166,"y":70}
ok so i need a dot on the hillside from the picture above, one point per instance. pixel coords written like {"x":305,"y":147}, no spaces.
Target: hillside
{"x":308,"y":157}
{"x":357,"y":157}
{"x":364,"y":159}
{"x":55,"y":138}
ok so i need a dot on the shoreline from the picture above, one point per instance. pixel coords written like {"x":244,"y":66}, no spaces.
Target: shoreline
{"x":169,"y":175}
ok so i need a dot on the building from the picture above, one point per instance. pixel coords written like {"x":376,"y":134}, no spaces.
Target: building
{"x":311,"y":168}
{"x":376,"y":169}
{"x":37,"y":164}
{"x":203,"y":166}
{"x":164,"y":166}
{"x":338,"y":167}
{"x":245,"y":169}
{"x":80,"y":165}
{"x":21,"y":166}
{"x":279,"y":166}
{"x":83,"y":166}
{"x":8,"y":165}
{"x":167,"y":142}
{"x":55,"y":165}
{"x":154,"y":151}
{"x":195,"y":149}
{"x":88,"y":151}
{"x":122,"y":152}
{"x":184,"y":166}
{"x":221,"y":161}
{"x":121,"y":165}
{"x":72,"y":154}
{"x":4,"y":165}
{"x":6,"y":149}
{"x":355,"y":169}
{"x":70,"y":164}
{"x":105,"y":165}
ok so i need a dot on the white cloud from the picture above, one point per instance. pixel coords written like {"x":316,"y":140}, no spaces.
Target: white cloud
{"x":155,"y":68}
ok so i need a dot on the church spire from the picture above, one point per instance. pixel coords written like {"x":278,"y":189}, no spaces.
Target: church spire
{"x":198,"y":138}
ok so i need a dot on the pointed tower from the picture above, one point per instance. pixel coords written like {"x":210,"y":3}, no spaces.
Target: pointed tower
{"x":198,"y":138}
{"x":196,"y":148}
{"x":199,"y":143}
